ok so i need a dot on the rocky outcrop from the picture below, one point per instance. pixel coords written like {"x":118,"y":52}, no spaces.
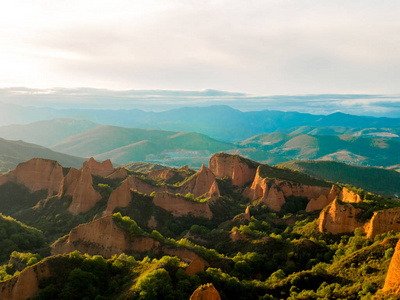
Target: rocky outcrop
{"x":102,"y":237}
{"x":201,"y":184}
{"x":102,"y":169}
{"x":120,"y":197}
{"x":180,"y":206}
{"x":26,"y":284}
{"x":349,"y":196}
{"x":317,"y":204}
{"x":205,"y":292}
{"x":119,"y":173}
{"x":37,"y":174}
{"x":167,"y":174}
{"x":237,"y":236}
{"x":195,"y":267}
{"x":339,"y":218}
{"x":79,"y":185}
{"x":392,"y":281}
{"x":247,"y":216}
{"x":384,"y":221}
{"x":273,"y":192}
{"x":233,"y":167}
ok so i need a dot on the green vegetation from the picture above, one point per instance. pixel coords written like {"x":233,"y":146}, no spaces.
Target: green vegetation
{"x":288,"y":174}
{"x":376,"y":180}
{"x":15,"y":236}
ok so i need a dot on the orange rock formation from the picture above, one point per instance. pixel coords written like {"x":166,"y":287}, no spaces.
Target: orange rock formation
{"x":195,"y":267}
{"x":272,"y":192}
{"x":392,"y":281}
{"x":317,"y":204}
{"x":120,"y":197}
{"x":339,"y":218}
{"x":205,"y":292}
{"x":26,"y":284}
{"x":36,"y":174}
{"x":247,"y":214}
{"x":102,"y":237}
{"x":102,"y":169}
{"x":180,"y":206}
{"x":79,"y":185}
{"x":384,"y":221}
{"x":233,"y":167}
{"x":349,"y":196}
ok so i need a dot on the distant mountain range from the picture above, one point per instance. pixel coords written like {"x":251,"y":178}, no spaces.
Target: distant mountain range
{"x":219,"y":122}
{"x":123,"y":145}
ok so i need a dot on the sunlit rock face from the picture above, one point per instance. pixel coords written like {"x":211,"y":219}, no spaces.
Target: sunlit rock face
{"x":36,"y":174}
{"x":233,"y":167}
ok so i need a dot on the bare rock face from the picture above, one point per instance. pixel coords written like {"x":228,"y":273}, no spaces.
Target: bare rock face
{"x":120,"y":197}
{"x":79,"y":185}
{"x":180,"y":206}
{"x":26,"y":284}
{"x":339,"y":218}
{"x":118,"y":174}
{"x":102,"y":169}
{"x":317,"y":204}
{"x":275,"y":199}
{"x":384,"y":221}
{"x":102,"y":237}
{"x":334,"y":193}
{"x":37,"y":174}
{"x":349,"y":196}
{"x":392,"y":281}
{"x":205,"y":292}
{"x":247,"y":214}
{"x":273,"y":192}
{"x":195,"y":267}
{"x":201,"y":184}
{"x":233,"y":167}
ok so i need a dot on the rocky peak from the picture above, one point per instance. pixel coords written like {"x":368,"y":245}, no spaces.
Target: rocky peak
{"x":384,"y":221}
{"x":120,"y":197}
{"x":247,"y":214}
{"x":206,"y":292}
{"x":79,"y":185}
{"x":233,"y":167}
{"x":195,"y":267}
{"x":37,"y":174}
{"x":347,"y":195}
{"x":339,"y":218}
{"x":102,"y":169}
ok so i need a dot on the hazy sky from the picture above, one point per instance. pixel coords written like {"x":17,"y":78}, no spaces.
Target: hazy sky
{"x":259,"y":47}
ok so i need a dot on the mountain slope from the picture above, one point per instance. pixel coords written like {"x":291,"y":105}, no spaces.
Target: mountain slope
{"x":279,"y":147}
{"x":46,"y":133}
{"x":14,"y":152}
{"x":124,"y":145}
{"x":376,"y":180}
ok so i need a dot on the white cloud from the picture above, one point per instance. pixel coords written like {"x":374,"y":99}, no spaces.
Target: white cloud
{"x":262,"y":47}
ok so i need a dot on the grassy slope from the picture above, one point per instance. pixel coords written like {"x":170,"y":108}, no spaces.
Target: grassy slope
{"x":124,"y":145}
{"x":14,"y":152}
{"x":376,"y":180}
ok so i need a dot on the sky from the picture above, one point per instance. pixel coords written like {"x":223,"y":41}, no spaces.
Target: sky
{"x":282,"y":47}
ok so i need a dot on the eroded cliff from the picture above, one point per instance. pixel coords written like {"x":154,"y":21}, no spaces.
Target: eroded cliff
{"x":234,"y":167}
